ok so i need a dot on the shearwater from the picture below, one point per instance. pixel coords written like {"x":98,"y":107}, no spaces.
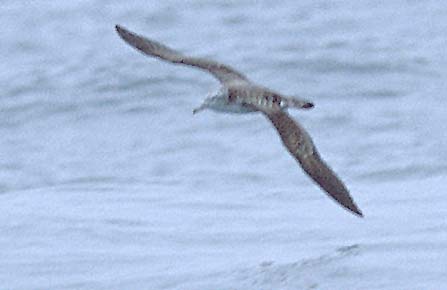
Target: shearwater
{"x":239,"y":95}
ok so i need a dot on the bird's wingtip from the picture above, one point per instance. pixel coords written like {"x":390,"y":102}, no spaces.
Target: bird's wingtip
{"x":359,"y":213}
{"x":119,"y":28}
{"x":355,"y":210}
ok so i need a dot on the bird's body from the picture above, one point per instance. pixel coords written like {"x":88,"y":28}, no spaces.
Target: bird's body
{"x":219,"y":101}
{"x":239,"y":95}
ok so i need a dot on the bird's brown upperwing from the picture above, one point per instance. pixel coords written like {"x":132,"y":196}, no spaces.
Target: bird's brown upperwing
{"x":300,"y":145}
{"x":225,"y":74}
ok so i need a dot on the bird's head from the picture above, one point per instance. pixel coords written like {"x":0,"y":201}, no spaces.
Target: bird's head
{"x":216,"y":101}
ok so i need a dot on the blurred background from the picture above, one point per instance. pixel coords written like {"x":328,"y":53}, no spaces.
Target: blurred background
{"x":107,"y":180}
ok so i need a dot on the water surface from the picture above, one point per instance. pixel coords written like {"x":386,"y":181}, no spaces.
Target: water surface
{"x":107,"y":180}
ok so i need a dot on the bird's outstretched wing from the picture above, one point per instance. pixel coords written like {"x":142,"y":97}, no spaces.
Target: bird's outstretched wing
{"x":300,"y":145}
{"x":223,"y":73}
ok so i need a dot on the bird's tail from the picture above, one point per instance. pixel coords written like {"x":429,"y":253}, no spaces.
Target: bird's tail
{"x":293,"y":102}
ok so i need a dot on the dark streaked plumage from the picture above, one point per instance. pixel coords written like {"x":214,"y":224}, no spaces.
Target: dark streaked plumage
{"x":240,"y":95}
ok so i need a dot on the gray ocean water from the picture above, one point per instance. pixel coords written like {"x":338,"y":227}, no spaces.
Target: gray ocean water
{"x":107,"y":180}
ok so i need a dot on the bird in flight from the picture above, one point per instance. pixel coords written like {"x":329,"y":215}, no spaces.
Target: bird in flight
{"x":239,"y":95}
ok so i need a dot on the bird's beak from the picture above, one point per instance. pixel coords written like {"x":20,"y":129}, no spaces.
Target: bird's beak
{"x":198,"y":109}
